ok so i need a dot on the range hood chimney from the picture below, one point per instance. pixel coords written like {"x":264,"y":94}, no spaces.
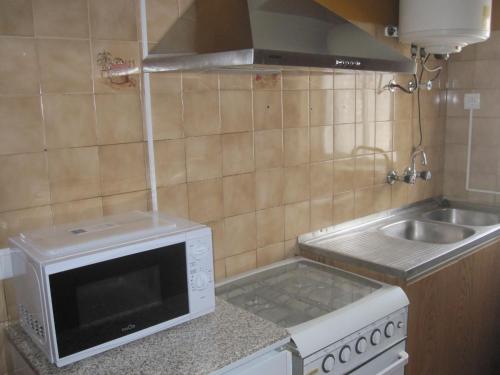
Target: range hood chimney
{"x":269,"y":35}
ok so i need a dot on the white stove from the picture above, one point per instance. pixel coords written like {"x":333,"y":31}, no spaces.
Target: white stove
{"x":339,"y":322}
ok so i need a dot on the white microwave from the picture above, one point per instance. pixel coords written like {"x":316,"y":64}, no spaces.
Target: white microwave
{"x":85,"y":288}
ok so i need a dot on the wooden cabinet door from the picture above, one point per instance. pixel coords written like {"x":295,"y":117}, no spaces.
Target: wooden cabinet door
{"x":454,"y":317}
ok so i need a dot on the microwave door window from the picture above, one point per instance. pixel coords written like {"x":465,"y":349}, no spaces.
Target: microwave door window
{"x":104,"y":301}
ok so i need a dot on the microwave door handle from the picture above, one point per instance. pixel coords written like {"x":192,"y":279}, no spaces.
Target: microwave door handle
{"x":402,"y":361}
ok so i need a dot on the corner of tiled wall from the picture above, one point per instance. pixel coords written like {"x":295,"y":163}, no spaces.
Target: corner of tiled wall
{"x":476,"y":70}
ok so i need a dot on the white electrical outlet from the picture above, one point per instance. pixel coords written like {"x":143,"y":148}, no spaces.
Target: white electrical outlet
{"x":472,"y":101}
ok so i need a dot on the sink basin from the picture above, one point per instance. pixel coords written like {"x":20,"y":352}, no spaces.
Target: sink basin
{"x":422,"y":231}
{"x":463,"y":217}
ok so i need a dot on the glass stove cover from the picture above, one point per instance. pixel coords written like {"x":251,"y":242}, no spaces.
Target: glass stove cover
{"x":294,"y":293}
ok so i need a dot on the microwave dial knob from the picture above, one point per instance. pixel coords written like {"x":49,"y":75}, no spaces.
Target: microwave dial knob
{"x":200,"y":280}
{"x":328,"y":363}
{"x":345,"y":354}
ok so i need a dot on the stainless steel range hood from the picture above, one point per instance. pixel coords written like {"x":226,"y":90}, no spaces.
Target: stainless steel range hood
{"x":270,"y":35}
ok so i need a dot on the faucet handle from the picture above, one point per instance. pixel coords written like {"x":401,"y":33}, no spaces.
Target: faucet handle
{"x":423,"y":158}
{"x":425,"y":175}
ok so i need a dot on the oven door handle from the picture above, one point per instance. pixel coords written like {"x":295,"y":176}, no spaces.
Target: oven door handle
{"x":402,"y":361}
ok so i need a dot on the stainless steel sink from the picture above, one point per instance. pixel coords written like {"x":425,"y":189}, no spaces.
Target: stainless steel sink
{"x":422,"y":231}
{"x":463,"y":217}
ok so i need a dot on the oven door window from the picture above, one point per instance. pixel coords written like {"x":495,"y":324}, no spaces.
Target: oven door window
{"x":104,"y":301}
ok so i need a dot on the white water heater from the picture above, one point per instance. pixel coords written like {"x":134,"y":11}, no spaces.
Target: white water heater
{"x":444,"y":26}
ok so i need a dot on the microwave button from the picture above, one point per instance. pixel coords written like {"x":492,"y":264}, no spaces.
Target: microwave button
{"x":200,"y":281}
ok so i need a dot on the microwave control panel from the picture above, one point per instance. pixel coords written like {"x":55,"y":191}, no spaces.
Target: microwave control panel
{"x":200,"y":273}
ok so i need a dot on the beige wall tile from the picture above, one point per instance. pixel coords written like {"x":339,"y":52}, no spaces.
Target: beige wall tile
{"x":120,"y":203}
{"x":343,"y":175}
{"x":381,"y":197}
{"x":24,"y":181}
{"x":21,"y":125}
{"x":399,"y":195}
{"x":203,"y":157}
{"x":235,"y":81}
{"x":161,"y":14}
{"x":3,"y":318}
{"x":267,"y":110}
{"x":403,"y":107}
{"x":218,"y":243}
{"x":69,"y":120}
{"x":119,"y":118}
{"x":14,"y":222}
{"x":383,"y":136}
{"x":238,"y":153}
{"x":295,"y":109}
{"x":240,"y":233}
{"x":123,"y":168}
{"x":384,"y":106}
{"x":170,"y":162}
{"x":166,"y":83}
{"x":61,"y":18}
{"x":76,"y":211}
{"x":343,"y":207}
{"x":344,"y":106}
{"x":113,"y":19}
{"x":365,"y":138}
{"x":64,"y":65}
{"x":270,"y":226}
{"x":297,"y":187}
{"x":321,"y":81}
{"x":291,"y":248}
{"x":383,"y":164}
{"x":16,"y":17}
{"x":321,"y":179}
{"x":344,"y":141}
{"x":18,"y":67}
{"x":365,"y":80}
{"x":269,"y":186}
{"x":267,"y":81}
{"x":239,"y":194}
{"x":167,"y":116}
{"x":204,"y":81}
{"x":364,"y":168}
{"x":344,"y":80}
{"x":128,"y":52}
{"x":74,"y":174}
{"x":241,"y":263}
{"x":295,"y":81}
{"x":205,"y":200}
{"x":364,"y":203}
{"x":321,"y":143}
{"x":268,"y":149}
{"x":201,"y":113}
{"x":402,"y":136}
{"x":173,"y":200}
{"x":296,"y":145}
{"x":321,"y":107}
{"x":270,"y":254}
{"x":220,"y":270}
{"x":365,"y":106}
{"x":321,"y":213}
{"x":236,"y":111}
{"x":297,"y":218}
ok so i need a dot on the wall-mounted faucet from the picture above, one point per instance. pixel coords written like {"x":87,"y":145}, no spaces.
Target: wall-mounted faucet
{"x":411,"y":174}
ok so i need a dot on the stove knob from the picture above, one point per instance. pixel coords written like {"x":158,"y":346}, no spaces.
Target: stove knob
{"x":361,"y":345}
{"x":401,"y":325}
{"x":376,"y":336}
{"x":389,"y":329}
{"x":328,"y":363}
{"x":345,"y":354}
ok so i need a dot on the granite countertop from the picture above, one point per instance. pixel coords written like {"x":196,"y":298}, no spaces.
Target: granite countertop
{"x":201,"y":346}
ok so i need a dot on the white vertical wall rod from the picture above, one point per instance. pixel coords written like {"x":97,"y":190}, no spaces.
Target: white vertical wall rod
{"x":148,"y":119}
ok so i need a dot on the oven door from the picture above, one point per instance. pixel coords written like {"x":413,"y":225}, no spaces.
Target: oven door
{"x":101,"y":302}
{"x":390,"y":362}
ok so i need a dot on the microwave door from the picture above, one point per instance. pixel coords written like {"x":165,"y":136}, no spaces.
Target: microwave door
{"x":101,"y":302}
